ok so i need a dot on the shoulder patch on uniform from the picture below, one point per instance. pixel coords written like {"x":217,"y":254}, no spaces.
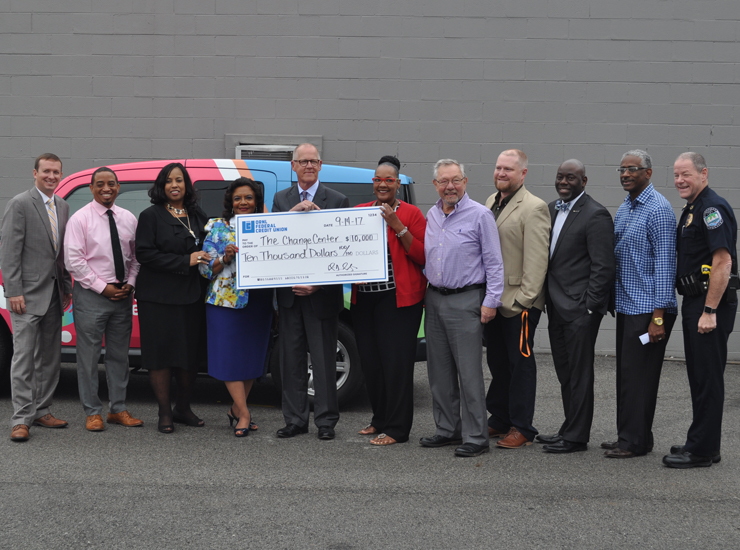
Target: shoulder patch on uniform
{"x":712,"y":218}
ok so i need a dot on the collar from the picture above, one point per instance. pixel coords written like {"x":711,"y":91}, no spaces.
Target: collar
{"x":505,"y":201}
{"x":698,"y":199}
{"x":311,"y":190}
{"x":440,"y":204}
{"x":572,"y":202}
{"x":100,"y":210}
{"x":642,"y":197}
{"x":44,"y":198}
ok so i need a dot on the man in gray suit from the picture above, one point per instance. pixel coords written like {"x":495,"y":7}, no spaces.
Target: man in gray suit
{"x":38,"y":289}
{"x":309,"y":315}
{"x":579,"y":282}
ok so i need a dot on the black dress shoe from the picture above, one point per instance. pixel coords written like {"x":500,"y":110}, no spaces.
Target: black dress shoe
{"x":291,"y":430}
{"x":619,"y":453}
{"x":548,"y":439}
{"x":609,"y":445}
{"x":564,"y":446}
{"x":439,"y":441}
{"x":471,"y":449}
{"x":678,"y":449}
{"x":687,"y":460}
{"x":325,"y":432}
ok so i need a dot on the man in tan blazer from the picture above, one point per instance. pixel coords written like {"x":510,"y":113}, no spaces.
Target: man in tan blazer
{"x":523,"y":222}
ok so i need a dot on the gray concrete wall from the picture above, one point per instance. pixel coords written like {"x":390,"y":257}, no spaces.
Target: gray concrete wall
{"x":103,"y":81}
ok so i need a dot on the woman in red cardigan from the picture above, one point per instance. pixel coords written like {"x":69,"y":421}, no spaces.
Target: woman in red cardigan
{"x":387,"y":315}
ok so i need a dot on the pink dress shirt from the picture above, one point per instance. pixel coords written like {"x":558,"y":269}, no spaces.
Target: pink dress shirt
{"x":88,"y":254}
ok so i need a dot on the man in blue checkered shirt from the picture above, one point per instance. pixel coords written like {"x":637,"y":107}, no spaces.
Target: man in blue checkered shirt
{"x":645,"y":248}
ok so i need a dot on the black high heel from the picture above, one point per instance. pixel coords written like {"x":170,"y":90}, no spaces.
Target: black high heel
{"x":232,"y":417}
{"x":241,"y":432}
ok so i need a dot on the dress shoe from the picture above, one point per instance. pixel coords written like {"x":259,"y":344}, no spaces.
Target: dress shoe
{"x":495,"y":433}
{"x":548,"y":439}
{"x":687,"y":460}
{"x":94,"y":423}
{"x":291,"y":430}
{"x":678,"y":449}
{"x":564,"y":446}
{"x":513,"y":440}
{"x":439,"y":441}
{"x":19,"y":432}
{"x":48,"y":421}
{"x":326,"y":433}
{"x":609,"y":445}
{"x":619,"y":453}
{"x":471,"y":449}
{"x":125,"y":419}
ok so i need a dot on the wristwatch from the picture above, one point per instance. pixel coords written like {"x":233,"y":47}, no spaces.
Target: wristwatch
{"x":708,"y":309}
{"x":658,"y":321}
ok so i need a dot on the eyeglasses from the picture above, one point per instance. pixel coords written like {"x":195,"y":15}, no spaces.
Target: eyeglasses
{"x":630,"y":169}
{"x":445,"y":183}
{"x":387,"y":181}
{"x":306,"y":162}
{"x":570,"y":178}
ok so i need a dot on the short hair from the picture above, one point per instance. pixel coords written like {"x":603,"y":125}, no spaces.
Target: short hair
{"x":521,"y":156}
{"x":156,"y":192}
{"x":393,"y":162}
{"x":645,"y":159}
{"x":295,"y":151}
{"x":257,"y":187}
{"x":578,"y":164}
{"x":696,"y":159}
{"x":448,"y":162}
{"x":46,"y":156}
{"x":100,"y":170}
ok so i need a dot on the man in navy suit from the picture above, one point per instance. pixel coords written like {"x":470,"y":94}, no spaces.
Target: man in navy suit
{"x":309,"y":315}
{"x":580,"y":277}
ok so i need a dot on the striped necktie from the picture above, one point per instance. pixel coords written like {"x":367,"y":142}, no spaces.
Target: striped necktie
{"x":304,"y":195}
{"x":53,"y":222}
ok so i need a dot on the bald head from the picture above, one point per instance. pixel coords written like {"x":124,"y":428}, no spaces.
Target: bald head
{"x":570,"y":179}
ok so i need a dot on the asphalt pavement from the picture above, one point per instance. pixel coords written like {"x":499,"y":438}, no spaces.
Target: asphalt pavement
{"x":203,"y":488}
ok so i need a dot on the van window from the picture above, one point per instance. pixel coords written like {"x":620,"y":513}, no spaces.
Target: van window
{"x":133,"y":197}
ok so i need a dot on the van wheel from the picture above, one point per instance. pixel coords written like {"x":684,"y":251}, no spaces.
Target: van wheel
{"x":349,"y":374}
{"x":6,"y":355}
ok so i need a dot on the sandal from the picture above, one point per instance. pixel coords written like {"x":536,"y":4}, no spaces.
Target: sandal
{"x":165,"y":428}
{"x":383,"y":440}
{"x":193,"y":420}
{"x":368,"y":430}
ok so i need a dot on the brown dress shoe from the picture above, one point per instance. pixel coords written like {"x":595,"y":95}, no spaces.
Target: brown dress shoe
{"x":496,"y":433}
{"x":124,"y":418}
{"x":48,"y":421}
{"x":95,"y":423}
{"x":19,"y":432}
{"x":513,"y":440}
{"x":619,"y":453}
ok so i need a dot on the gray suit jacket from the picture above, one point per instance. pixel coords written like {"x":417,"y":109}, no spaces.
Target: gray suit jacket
{"x":582,"y":268}
{"x":328,"y":300}
{"x":30,"y":266}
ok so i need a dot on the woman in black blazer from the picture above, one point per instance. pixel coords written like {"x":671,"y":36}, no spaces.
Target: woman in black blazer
{"x":170,"y":293}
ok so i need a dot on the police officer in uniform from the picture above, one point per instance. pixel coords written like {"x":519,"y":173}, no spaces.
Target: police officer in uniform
{"x":707,"y":236}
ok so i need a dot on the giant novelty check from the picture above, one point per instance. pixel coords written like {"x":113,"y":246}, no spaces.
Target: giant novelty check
{"x":320,"y":247}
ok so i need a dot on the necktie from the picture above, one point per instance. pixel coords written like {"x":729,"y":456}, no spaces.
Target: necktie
{"x":53,"y":222}
{"x":562,"y":206}
{"x":116,"y":244}
{"x":304,"y":195}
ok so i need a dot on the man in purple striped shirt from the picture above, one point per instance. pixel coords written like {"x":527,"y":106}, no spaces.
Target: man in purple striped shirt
{"x":465,"y":273}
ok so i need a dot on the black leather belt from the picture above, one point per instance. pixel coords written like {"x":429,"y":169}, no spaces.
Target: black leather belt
{"x":446,"y":291}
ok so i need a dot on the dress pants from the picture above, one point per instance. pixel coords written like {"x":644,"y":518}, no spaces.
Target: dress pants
{"x":638,"y":378}
{"x":706,"y":356}
{"x":37,"y":361}
{"x":511,"y":395}
{"x":454,"y":364}
{"x":96,"y":316}
{"x":386,"y":338}
{"x":572,"y":347}
{"x":302,"y":332}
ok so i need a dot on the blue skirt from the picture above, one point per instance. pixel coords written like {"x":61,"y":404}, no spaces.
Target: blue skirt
{"x":238,"y":338}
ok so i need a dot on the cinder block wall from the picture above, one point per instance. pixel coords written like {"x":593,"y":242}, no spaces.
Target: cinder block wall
{"x":105,"y":81}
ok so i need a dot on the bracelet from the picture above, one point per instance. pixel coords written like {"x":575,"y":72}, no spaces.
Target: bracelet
{"x":403,"y":232}
{"x":221,"y":259}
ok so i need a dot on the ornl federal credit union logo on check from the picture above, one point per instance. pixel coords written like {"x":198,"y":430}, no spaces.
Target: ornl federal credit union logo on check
{"x":260,"y":226}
